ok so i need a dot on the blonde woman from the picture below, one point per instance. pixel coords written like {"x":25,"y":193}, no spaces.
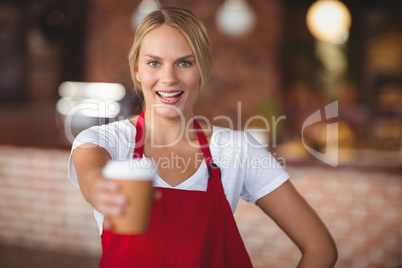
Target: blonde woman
{"x":201,"y":179}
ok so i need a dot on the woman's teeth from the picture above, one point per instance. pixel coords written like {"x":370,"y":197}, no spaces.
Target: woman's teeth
{"x":169,"y":95}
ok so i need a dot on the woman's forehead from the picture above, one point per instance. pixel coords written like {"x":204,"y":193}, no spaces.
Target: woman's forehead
{"x":165,"y":40}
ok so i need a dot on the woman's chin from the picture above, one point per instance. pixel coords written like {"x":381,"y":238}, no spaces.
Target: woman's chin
{"x":167,"y":111}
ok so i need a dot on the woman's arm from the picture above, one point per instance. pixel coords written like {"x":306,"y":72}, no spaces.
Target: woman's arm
{"x":104,"y":195}
{"x":303,"y":226}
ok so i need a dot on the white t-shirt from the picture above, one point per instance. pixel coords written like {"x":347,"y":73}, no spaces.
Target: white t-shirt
{"x":247,"y":169}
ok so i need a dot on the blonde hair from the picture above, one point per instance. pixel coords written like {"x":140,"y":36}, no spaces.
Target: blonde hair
{"x":189,"y":25}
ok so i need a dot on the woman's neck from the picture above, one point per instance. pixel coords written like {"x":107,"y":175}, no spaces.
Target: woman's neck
{"x":165,"y":131}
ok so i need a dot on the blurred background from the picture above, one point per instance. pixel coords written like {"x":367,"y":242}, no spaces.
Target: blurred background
{"x":63,"y":67}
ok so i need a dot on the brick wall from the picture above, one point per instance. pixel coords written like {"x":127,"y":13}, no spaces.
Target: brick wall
{"x":243,"y":69}
{"x":41,"y":209}
{"x":362,"y":210}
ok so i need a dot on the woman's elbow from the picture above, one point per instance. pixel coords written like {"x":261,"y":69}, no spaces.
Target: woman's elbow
{"x":331,"y":250}
{"x":332,"y":254}
{"x":329,"y":254}
{"x":323,"y":255}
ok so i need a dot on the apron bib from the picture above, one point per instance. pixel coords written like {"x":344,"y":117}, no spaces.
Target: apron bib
{"x":186,"y":229}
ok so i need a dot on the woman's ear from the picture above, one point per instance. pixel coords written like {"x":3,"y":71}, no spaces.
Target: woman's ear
{"x":136,"y":73}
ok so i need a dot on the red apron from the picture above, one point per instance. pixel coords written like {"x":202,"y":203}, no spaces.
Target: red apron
{"x":187,"y":228}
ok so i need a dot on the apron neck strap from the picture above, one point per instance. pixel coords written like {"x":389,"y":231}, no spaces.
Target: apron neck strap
{"x":140,"y":136}
{"x":203,"y":143}
{"x":213,"y":170}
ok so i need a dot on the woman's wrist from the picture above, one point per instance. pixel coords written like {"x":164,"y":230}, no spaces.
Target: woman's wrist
{"x":92,"y":177}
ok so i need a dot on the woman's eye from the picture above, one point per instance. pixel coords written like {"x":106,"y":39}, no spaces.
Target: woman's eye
{"x":154,"y":64}
{"x":185,"y":64}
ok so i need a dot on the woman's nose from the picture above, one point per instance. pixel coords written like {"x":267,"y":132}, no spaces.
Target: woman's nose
{"x":169,"y":76}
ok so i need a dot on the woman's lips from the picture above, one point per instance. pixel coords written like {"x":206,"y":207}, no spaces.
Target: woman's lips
{"x":170,"y":97}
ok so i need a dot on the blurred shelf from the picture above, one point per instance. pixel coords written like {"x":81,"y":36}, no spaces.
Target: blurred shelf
{"x":31,"y":124}
{"x":364,"y":159}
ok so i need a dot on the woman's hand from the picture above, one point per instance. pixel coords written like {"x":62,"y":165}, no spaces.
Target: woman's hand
{"x":106,"y":197}
{"x":303,"y":226}
{"x":103,"y":194}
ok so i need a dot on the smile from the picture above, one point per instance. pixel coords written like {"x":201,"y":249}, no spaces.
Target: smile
{"x":169,"y":97}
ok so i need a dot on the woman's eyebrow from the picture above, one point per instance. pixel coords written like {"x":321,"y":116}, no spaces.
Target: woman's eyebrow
{"x":179,"y":59}
{"x":152,"y":56}
{"x":185,"y":57}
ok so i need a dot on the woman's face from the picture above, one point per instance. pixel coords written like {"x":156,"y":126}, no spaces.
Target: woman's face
{"x":168,"y":72}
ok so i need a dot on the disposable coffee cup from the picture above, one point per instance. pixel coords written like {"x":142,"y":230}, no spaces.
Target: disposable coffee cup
{"x":135,"y":178}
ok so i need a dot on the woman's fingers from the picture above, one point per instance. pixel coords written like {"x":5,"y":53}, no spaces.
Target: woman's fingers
{"x":107,"y":198}
{"x":157,"y":195}
{"x":107,"y":224}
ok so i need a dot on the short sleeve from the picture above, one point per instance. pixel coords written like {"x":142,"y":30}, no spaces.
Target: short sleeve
{"x":263,"y":172}
{"x":114,"y":137}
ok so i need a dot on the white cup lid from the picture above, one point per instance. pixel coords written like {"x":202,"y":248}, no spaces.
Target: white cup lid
{"x":133,"y":169}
